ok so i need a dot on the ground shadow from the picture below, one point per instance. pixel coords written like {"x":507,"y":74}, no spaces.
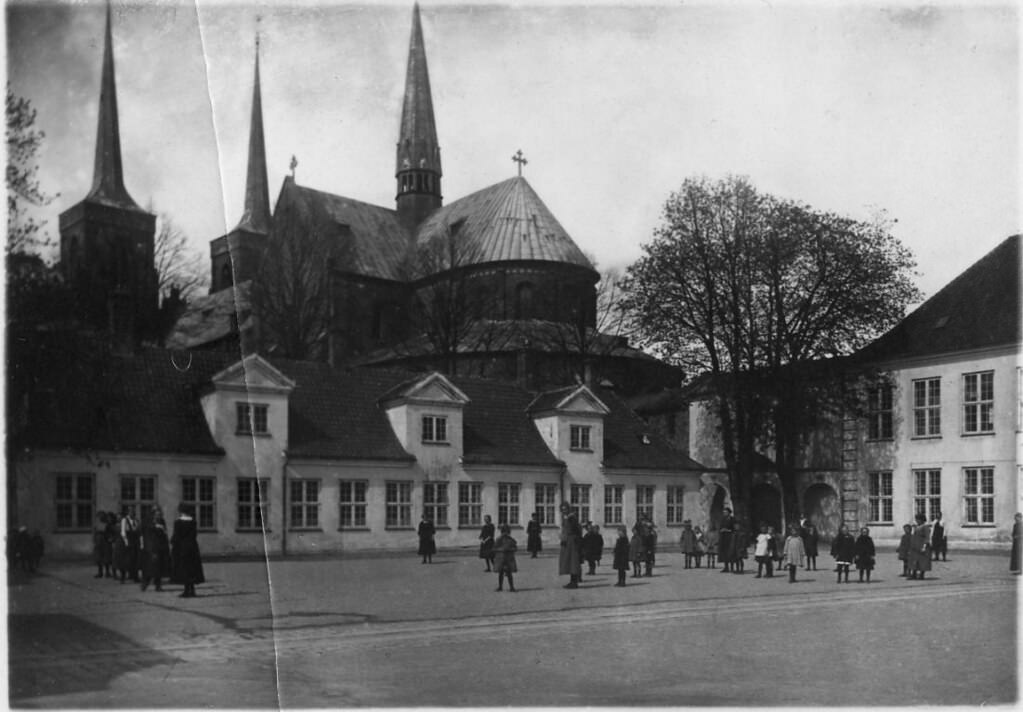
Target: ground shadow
{"x":49,"y":655}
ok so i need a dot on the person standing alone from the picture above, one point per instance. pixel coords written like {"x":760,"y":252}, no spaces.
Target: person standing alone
{"x":569,"y":559}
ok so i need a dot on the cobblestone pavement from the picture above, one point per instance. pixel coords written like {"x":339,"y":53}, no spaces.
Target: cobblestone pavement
{"x":389,"y":631}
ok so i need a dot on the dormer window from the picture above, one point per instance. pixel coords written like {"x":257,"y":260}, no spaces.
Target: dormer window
{"x":579,"y":437}
{"x":252,"y":419}
{"x":435,"y":429}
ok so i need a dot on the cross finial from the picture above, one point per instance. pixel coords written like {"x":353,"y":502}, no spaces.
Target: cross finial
{"x":520,"y":159}
{"x":292,"y":166}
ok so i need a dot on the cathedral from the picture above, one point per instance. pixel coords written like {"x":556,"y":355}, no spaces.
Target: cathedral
{"x":487,"y":285}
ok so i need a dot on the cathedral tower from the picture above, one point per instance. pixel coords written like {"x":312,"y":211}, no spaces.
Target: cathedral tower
{"x":106,"y":240}
{"x":418,"y":169}
{"x":235,"y":257}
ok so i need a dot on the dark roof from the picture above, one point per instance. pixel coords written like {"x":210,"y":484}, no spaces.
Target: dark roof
{"x":668,"y":400}
{"x":213,"y":317}
{"x":978,"y":309}
{"x":629,"y":443}
{"x":549,"y":399}
{"x":503,"y":222}
{"x":69,"y":393}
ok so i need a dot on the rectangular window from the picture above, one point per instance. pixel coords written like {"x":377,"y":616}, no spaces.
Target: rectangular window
{"x":435,"y":429}
{"x":579,"y":500}
{"x":470,"y":504}
{"x":305,"y":504}
{"x":253,"y":503}
{"x":979,"y":491}
{"x":879,"y":497}
{"x":927,"y":493}
{"x":435,"y":502}
{"x":675,"y":505}
{"x":200,"y":494}
{"x":546,"y":504}
{"x":927,"y":407}
{"x":75,"y":501}
{"x":645,"y":502}
{"x":614,"y":497}
{"x":252,"y":418}
{"x":879,"y":413}
{"x":978,"y":402}
{"x":398,"y":504}
{"x":579,"y":437}
{"x":139,"y":493}
{"x":508,"y":503}
{"x":351,"y":499}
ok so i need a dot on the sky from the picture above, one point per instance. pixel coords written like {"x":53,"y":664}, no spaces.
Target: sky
{"x":850,"y":107}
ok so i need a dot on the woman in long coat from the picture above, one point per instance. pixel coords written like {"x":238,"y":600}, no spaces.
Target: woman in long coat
{"x":1014,"y":556}
{"x":725,"y":530}
{"x":569,"y":559}
{"x":427,"y":546}
{"x":487,"y":541}
{"x":920,"y":548}
{"x":534,"y":544}
{"x":185,"y":551}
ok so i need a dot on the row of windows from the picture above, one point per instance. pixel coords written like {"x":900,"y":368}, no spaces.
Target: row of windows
{"x":76,"y":502}
{"x":978,"y":495}
{"x":978,"y":405}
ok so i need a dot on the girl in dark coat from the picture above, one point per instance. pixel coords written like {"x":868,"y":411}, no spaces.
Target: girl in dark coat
{"x":154,"y":550}
{"x":843,"y":548}
{"x":534,"y":544}
{"x":1014,"y":555}
{"x":427,"y":546}
{"x":593,"y":547}
{"x":185,"y":551}
{"x":810,"y":540}
{"x":621,"y":560}
{"x":487,"y":541}
{"x":504,"y":558}
{"x":864,"y":554}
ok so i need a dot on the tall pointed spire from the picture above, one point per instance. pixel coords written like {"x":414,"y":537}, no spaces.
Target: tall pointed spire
{"x":418,"y":169}
{"x":256,"y":213}
{"x":108,"y":175}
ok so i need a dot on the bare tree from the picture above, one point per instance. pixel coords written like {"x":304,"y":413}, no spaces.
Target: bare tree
{"x":177,"y":264}
{"x":24,"y":231}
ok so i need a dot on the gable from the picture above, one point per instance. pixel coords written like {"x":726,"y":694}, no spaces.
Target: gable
{"x":253,"y":373}
{"x":583,"y":402}
{"x":434,"y":389}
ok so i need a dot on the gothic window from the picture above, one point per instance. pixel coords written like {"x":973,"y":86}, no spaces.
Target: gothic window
{"x":524,"y":300}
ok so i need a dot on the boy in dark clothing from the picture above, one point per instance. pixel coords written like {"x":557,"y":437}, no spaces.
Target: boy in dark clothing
{"x":593,"y":547}
{"x":621,"y":560}
{"x":864,"y":553}
{"x":504,"y":558}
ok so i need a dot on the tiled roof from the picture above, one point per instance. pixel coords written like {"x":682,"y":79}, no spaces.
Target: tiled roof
{"x":548,"y":400}
{"x":212,"y":317}
{"x":76,"y":394}
{"x":978,"y":309}
{"x":629,"y":443}
{"x":503,"y":222}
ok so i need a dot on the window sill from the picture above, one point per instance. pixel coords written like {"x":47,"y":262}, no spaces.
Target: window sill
{"x":399,"y":529}
{"x":977,"y":526}
{"x":580,"y":449}
{"x":880,"y":524}
{"x":440,"y":443}
{"x":241,"y":433}
{"x":881,"y":440}
{"x":252,"y":531}
{"x":354,"y":529}
{"x":72,"y":531}
{"x":977,"y":435}
{"x":304,"y":530}
{"x":926,"y":437}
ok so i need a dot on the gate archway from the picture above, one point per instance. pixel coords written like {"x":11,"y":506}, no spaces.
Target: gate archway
{"x":823,"y":508}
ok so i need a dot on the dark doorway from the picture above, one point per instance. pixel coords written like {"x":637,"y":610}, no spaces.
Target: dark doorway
{"x":766,"y":507}
{"x":824,"y":510}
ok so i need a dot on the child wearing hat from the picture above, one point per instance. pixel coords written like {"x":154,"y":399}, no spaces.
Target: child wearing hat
{"x":504,"y":558}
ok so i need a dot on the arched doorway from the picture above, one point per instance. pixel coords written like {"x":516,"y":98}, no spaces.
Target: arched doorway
{"x":766,"y":507}
{"x":823,"y":508}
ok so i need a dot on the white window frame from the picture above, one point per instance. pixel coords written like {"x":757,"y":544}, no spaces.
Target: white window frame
{"x":978,"y":496}
{"x":579,"y":437}
{"x":256,"y":504}
{"x":202,"y":498}
{"x":81,"y":509}
{"x":252,"y":418}
{"x":435,"y":502}
{"x":614,"y":505}
{"x":398,"y":504}
{"x":131,"y":494}
{"x":675,"y":514}
{"x":927,"y":492}
{"x":509,"y":498}
{"x":434,"y":429}
{"x":880,"y":497}
{"x":579,"y":500}
{"x":470,"y":504}
{"x":979,"y":403}
{"x":545,"y":499}
{"x":645,"y":501}
{"x":304,"y":509}
{"x":927,"y":407}
{"x":351,"y":500}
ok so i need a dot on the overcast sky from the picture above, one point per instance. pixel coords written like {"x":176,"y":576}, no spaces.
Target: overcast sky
{"x":851,"y":107}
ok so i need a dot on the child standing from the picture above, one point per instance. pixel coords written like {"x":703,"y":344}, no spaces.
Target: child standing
{"x":701,"y":545}
{"x":762,"y":554}
{"x":843,"y":548}
{"x":621,"y":562}
{"x":504,"y":558}
{"x":793,"y":552}
{"x":593,"y":546}
{"x":903,"y":551}
{"x":864,"y":553}
{"x":711,"y":541}
{"x":637,"y":554}
{"x":688,"y":543}
{"x":740,"y":549}
{"x":810,"y":540}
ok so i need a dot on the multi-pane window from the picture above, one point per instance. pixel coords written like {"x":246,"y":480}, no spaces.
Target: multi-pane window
{"x":879,"y":413}
{"x":435,"y":502}
{"x":351,"y":499}
{"x":927,"y":493}
{"x":614,"y":497}
{"x":75,"y":500}
{"x":304,"y":502}
{"x":508,"y":503}
{"x":435,"y":429}
{"x":675,"y":505}
{"x":979,"y":492}
{"x":927,"y":407}
{"x":879,"y":497}
{"x":139,"y":493}
{"x":978,"y":402}
{"x":645,"y":502}
{"x":200,"y":493}
{"x":579,"y":500}
{"x":470,"y":504}
{"x":546,"y":503}
{"x":253,"y":503}
{"x":579,"y":437}
{"x":252,"y":418}
{"x":398,"y":504}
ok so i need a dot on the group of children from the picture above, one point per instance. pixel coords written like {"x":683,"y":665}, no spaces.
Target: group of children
{"x":24,"y":550}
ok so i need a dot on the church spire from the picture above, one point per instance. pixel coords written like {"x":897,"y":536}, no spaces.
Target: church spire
{"x":108,"y":175}
{"x":418,"y":170}
{"x":256,"y":213}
